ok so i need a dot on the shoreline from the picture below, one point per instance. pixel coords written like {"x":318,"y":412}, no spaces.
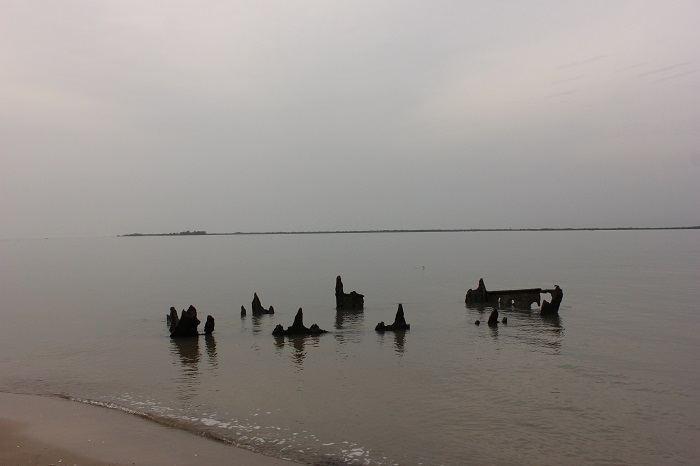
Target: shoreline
{"x":37,"y":429}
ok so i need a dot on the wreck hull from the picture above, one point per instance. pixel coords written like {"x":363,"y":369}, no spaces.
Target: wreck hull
{"x":518,"y":298}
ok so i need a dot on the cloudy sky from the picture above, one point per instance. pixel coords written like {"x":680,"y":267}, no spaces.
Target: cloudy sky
{"x":159,"y":116}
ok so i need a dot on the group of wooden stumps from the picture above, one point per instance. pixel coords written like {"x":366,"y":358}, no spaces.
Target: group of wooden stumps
{"x":186,"y":324}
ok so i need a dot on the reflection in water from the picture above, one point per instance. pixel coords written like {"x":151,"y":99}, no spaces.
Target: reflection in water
{"x":553,"y":321}
{"x":210,"y":343}
{"x":398,"y":337}
{"x":299,"y":354}
{"x":297,"y":344}
{"x":352,"y":325}
{"x":529,"y":327}
{"x":493,"y":329}
{"x":399,"y":340}
{"x":256,"y":320}
{"x":352,"y":320}
{"x":185,"y":352}
{"x":544,"y":332}
{"x":553,"y":332}
{"x":479,"y":307}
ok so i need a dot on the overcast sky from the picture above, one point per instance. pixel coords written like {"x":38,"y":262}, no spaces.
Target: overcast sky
{"x":159,"y":116}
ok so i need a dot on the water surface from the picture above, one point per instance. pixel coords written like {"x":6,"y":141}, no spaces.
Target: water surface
{"x":614,"y":379}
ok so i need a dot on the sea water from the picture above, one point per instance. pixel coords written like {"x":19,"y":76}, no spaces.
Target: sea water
{"x":613,"y":380}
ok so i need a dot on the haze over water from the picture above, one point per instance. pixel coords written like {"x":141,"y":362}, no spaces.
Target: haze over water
{"x":613,"y":380}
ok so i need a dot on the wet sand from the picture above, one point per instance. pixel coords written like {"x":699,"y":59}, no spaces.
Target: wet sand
{"x":36,"y":430}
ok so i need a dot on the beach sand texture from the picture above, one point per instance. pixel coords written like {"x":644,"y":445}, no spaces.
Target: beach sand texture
{"x":37,"y":430}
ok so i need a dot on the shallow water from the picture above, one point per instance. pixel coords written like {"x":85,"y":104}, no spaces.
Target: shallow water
{"x":613,"y":380}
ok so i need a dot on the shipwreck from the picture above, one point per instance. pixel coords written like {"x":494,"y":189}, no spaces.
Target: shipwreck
{"x":520,"y":299}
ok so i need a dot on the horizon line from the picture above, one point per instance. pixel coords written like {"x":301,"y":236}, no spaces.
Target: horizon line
{"x":406,"y":230}
{"x":396,"y":230}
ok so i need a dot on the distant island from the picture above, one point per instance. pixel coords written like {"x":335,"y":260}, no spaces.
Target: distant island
{"x":435,"y":230}
{"x":182,"y":233}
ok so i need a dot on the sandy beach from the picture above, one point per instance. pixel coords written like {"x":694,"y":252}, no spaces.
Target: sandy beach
{"x":37,"y":430}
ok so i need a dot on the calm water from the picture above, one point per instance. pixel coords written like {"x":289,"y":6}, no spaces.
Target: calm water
{"x":613,"y":380}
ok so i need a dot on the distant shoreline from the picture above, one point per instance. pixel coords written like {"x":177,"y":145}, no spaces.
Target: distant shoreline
{"x":435,"y":230}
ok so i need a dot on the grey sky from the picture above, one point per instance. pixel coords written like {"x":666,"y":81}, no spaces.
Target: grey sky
{"x":157,"y":116}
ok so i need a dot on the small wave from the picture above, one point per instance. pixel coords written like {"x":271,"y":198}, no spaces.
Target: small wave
{"x":349,"y":453}
{"x":184,"y":424}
